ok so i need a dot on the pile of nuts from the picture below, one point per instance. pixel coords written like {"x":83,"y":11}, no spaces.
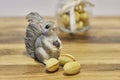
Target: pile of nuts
{"x":80,"y":14}
{"x":70,"y":65}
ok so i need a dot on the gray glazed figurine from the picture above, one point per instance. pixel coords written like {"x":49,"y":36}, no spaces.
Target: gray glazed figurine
{"x":41,"y":39}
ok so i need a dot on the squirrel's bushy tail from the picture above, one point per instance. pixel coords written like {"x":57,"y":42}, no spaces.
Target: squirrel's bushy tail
{"x":32,"y":32}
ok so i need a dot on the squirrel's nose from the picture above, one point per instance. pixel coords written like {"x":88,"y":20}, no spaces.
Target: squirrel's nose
{"x":56,"y":43}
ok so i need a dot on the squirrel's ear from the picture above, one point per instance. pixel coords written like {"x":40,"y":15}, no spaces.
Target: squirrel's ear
{"x":32,"y":14}
{"x":34,"y":17}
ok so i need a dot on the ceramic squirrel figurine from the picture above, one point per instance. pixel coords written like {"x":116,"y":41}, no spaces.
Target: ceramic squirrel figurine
{"x":41,"y":39}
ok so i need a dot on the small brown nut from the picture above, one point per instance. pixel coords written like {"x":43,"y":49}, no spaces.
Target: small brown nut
{"x":80,"y":25}
{"x":64,"y":58}
{"x":84,"y":16}
{"x":52,"y":65}
{"x":77,"y":16}
{"x":71,"y":68}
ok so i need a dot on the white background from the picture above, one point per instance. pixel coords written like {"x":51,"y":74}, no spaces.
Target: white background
{"x":48,"y":7}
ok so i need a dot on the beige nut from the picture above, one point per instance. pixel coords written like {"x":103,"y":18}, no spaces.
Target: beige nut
{"x":84,"y":16}
{"x":65,"y":19}
{"x":72,"y":68}
{"x":52,"y":65}
{"x":79,"y":8}
{"x":64,"y":58}
{"x":80,"y":25}
{"x":77,"y":16}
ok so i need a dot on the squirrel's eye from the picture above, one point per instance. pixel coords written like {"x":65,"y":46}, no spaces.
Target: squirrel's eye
{"x":47,"y":26}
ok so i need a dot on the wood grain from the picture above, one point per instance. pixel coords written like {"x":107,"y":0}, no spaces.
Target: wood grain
{"x":98,"y":52}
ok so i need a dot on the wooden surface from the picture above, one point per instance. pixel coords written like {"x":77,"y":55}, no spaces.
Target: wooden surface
{"x":98,"y":51}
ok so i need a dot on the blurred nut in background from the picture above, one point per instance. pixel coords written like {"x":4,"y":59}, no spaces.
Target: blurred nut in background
{"x":77,"y":16}
{"x":65,"y":19}
{"x":80,"y":25}
{"x":84,"y":16}
{"x":79,"y":8}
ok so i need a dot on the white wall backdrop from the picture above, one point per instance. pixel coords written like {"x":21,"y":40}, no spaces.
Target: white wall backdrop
{"x":48,"y":7}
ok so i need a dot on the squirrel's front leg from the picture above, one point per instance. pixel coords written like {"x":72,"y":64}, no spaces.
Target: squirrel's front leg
{"x":53,"y":51}
{"x":49,"y":45}
{"x":41,"y":55}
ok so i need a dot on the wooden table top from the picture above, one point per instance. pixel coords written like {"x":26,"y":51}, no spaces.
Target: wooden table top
{"x":98,"y":52}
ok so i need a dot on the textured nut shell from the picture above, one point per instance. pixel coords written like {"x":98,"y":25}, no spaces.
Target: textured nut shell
{"x":84,"y":16}
{"x":77,"y":16}
{"x":52,"y":65}
{"x":72,"y":68}
{"x":65,"y":19}
{"x":79,"y":8}
{"x":64,"y":58}
{"x":80,"y":25}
